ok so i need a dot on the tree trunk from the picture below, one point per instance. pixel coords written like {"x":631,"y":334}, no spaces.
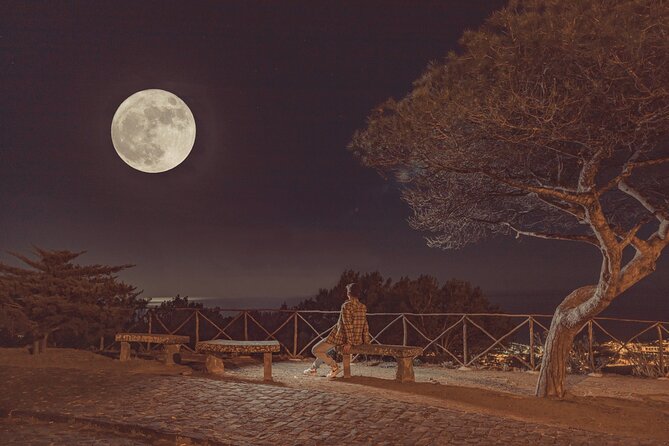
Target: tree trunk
{"x":554,"y":362}
{"x":564,"y":326}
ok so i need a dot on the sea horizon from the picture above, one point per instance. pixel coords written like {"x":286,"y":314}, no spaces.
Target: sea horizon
{"x":641,"y":303}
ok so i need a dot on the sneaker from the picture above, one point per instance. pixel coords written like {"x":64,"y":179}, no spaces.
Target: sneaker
{"x":311,"y":371}
{"x":334,"y":372}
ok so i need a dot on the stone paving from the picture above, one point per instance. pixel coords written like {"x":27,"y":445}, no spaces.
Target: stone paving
{"x":242,"y":413}
{"x":21,"y":432}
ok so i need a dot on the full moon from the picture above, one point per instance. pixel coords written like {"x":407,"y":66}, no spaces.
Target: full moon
{"x":153,"y":131}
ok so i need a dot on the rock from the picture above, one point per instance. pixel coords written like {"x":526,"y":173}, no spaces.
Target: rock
{"x":214,"y":365}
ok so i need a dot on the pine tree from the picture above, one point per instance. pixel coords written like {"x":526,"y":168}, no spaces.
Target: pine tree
{"x":76,"y":304}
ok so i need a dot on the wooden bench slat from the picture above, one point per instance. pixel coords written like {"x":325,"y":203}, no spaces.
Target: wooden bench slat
{"x":153,"y":338}
{"x":398,"y":351}
{"x":230,"y":346}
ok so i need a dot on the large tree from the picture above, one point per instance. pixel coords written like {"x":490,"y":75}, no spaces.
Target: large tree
{"x":552,"y":122}
{"x":77,"y":303}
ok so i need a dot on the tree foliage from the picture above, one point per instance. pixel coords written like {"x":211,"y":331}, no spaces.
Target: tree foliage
{"x":552,"y":122}
{"x":549,"y":102}
{"x":75,"y":303}
{"x":167,"y":306}
{"x":421,"y":295}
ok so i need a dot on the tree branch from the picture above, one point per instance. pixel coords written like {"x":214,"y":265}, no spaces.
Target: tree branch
{"x":628,"y":168}
{"x":588,"y":173}
{"x":629,"y":237}
{"x":557,"y":193}
{"x":11,"y":304}
{"x":577,"y":212}
{"x":653,"y":162}
{"x":632,"y":192}
{"x":545,"y":235}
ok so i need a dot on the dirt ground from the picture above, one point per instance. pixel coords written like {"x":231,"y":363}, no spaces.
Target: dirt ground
{"x":614,"y":404}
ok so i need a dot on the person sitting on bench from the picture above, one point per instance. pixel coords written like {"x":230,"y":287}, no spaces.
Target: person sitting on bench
{"x":351,"y":329}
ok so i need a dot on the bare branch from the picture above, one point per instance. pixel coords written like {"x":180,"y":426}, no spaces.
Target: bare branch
{"x":576,"y":211}
{"x":625,"y":172}
{"x":545,"y":235}
{"x":653,"y":162}
{"x":628,"y":168}
{"x":559,"y":193}
{"x":630,"y":237}
{"x":588,"y":174}
{"x":632,"y":192}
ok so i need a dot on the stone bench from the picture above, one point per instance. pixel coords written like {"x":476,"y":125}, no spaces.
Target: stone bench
{"x":172,"y":343}
{"x":214,"y":364}
{"x":404,"y":356}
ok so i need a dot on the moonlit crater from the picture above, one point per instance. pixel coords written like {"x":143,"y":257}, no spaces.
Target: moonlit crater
{"x":153,"y":131}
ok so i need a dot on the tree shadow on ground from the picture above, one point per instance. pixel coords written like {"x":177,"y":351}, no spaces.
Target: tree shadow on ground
{"x":646,"y":419}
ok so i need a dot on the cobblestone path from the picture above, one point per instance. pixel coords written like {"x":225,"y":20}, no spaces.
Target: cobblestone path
{"x":22,"y":432}
{"x":240,"y":413}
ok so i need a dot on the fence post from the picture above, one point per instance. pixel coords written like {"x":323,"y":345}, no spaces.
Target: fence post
{"x":102,"y":343}
{"x":197,"y":326}
{"x":295,"y":335}
{"x":465,"y":353}
{"x":246,"y":326}
{"x":590,"y":353}
{"x":660,"y":352}
{"x":404,"y":330}
{"x":148,"y":344}
{"x":532,"y":343}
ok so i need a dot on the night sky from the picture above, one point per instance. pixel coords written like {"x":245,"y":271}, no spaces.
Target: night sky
{"x":269,"y":204}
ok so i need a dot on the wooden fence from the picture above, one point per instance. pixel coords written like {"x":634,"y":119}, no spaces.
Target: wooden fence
{"x":462,"y":339}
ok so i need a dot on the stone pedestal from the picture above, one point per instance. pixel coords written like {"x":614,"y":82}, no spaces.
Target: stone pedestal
{"x":347,"y":366}
{"x":214,"y":365}
{"x":125,"y":351}
{"x":267,"y":366}
{"x":405,"y":370}
{"x":170,"y":351}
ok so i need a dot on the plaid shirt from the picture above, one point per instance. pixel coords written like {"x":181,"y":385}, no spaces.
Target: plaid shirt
{"x":352,"y":325}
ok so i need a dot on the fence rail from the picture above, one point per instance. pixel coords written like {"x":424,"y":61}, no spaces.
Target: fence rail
{"x":463,"y":339}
